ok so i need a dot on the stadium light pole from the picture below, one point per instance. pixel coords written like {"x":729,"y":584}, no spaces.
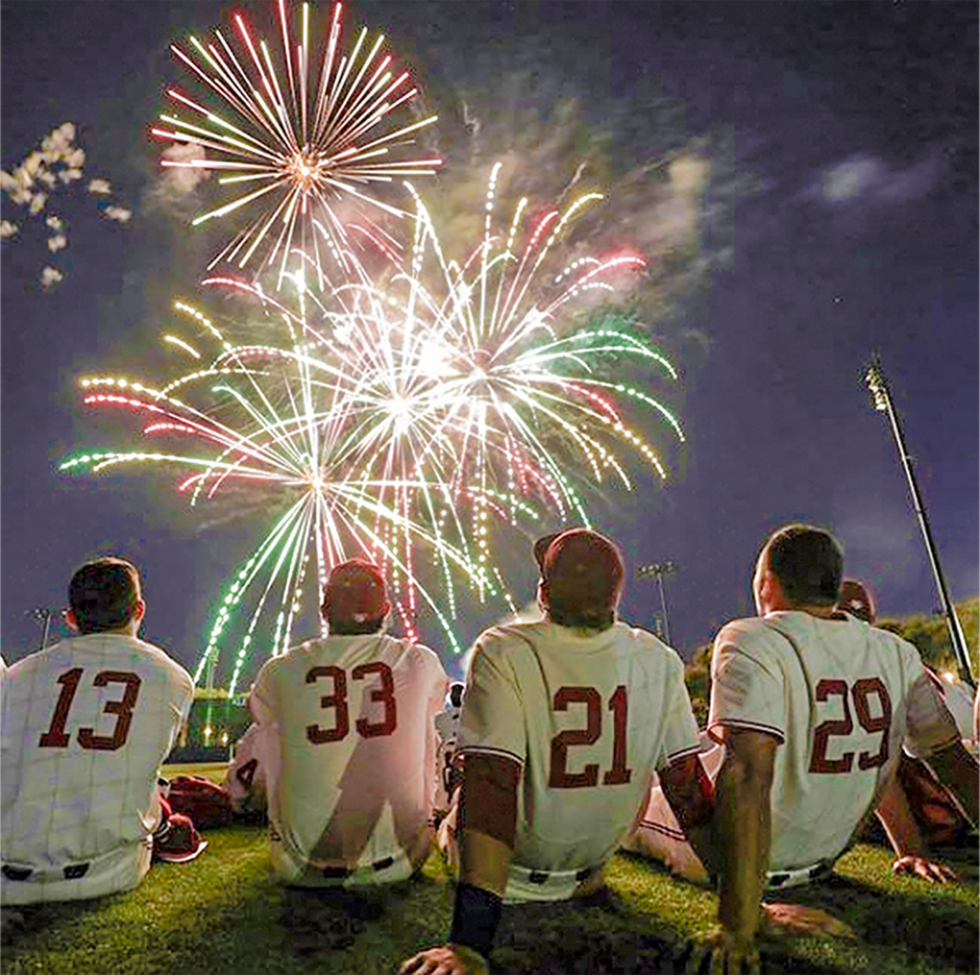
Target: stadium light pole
{"x":882,"y":400}
{"x":41,"y":615}
{"x":657,"y":570}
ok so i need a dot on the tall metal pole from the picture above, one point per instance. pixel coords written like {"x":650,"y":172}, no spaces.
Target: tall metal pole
{"x":882,"y":399}
{"x":42,"y":615}
{"x":658,"y":570}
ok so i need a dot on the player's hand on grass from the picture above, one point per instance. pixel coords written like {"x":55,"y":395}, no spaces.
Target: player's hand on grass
{"x":723,"y":952}
{"x":789,"y":920}
{"x":935,"y":873}
{"x":446,"y":960}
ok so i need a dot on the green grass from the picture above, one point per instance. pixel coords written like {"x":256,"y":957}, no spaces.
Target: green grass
{"x":222,"y":914}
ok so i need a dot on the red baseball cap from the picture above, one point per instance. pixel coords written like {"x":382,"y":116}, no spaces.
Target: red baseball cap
{"x":582,"y":569}
{"x":856,"y":598}
{"x":355,"y":593}
{"x":178,"y":841}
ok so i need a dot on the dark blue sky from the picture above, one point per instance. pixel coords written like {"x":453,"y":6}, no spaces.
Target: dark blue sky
{"x":856,"y":124}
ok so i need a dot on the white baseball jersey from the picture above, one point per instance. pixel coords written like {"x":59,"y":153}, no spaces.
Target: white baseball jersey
{"x":841,"y":697}
{"x":447,"y":728}
{"x":86,"y":724}
{"x":352,"y":757}
{"x":245,"y":779}
{"x":588,"y":718}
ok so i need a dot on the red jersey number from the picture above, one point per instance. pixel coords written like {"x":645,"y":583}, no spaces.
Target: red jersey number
{"x":56,"y":736}
{"x":383,"y":694}
{"x":559,"y":777}
{"x":841,"y":727}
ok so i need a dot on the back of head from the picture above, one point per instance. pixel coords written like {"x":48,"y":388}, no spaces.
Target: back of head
{"x":808,"y":562}
{"x":355,"y":599}
{"x":581,"y":578}
{"x":856,"y":598}
{"x":103,"y":594}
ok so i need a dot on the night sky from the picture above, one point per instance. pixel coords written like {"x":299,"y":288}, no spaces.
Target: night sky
{"x":853,"y":130}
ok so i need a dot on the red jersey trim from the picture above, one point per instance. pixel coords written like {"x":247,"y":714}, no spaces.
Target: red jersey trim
{"x":745,"y":725}
{"x":692,"y":750}
{"x":492,"y":752}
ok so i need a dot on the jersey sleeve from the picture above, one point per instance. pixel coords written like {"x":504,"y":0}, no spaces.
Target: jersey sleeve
{"x":929,"y":725}
{"x":746,"y":686}
{"x":261,"y":700}
{"x":681,"y":730}
{"x":492,"y":719}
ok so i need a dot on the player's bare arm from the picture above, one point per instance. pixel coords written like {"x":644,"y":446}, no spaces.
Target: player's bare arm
{"x":488,"y":821}
{"x":911,"y":850}
{"x":740,"y":839}
{"x":956,"y":768}
{"x":688,"y":790}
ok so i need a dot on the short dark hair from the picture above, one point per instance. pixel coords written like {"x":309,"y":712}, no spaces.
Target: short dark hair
{"x":808,"y":562}
{"x":103,"y":594}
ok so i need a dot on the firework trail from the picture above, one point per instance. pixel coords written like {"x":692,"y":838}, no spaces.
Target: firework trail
{"x":295,"y":135}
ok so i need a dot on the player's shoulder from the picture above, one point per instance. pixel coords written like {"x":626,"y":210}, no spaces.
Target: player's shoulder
{"x":755,"y":637}
{"x":646,"y":646}
{"x":505,"y":639}
{"x":427,"y":656}
{"x":744,"y":628}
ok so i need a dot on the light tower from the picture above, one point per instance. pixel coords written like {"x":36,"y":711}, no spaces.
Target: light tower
{"x":657,"y":570}
{"x":42,"y":615}
{"x":881,"y":397}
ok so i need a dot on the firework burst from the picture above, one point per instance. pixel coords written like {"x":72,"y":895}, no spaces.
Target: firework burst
{"x":499,"y":387}
{"x":294,"y":138}
{"x":418,"y":417}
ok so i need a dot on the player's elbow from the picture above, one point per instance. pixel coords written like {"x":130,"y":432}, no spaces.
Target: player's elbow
{"x":488,"y":803}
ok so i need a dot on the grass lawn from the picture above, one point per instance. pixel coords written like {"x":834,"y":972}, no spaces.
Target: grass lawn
{"x":222,"y":914}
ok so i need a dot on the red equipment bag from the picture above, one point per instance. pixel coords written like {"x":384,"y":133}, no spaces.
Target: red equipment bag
{"x":207,"y":803}
{"x":938,"y":816}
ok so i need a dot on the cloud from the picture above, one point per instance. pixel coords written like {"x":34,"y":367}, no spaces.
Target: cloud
{"x":120,"y":214}
{"x":50,"y":276}
{"x":863,"y":178}
{"x":45,"y":173}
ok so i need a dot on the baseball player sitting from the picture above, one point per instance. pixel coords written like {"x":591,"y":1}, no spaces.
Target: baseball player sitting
{"x":813,"y":706}
{"x":352,"y":746}
{"x":86,"y":726}
{"x":659,"y":836}
{"x":245,"y":778}
{"x":563,"y":722}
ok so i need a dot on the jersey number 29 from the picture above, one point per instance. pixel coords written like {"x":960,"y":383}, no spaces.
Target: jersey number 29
{"x":861,"y":692}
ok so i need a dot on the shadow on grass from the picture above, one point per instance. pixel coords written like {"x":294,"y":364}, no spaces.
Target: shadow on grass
{"x":941,"y":931}
{"x":599,"y":935}
{"x":223,"y":915}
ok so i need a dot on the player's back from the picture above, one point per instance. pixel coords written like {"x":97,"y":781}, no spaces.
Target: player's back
{"x":86,"y":724}
{"x":589,"y":717}
{"x":839,"y":696}
{"x":351,"y":772}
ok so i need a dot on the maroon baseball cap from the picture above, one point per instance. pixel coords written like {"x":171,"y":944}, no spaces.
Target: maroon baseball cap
{"x":856,"y":598}
{"x":178,"y":841}
{"x":355,"y":593}
{"x":583,"y":571}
